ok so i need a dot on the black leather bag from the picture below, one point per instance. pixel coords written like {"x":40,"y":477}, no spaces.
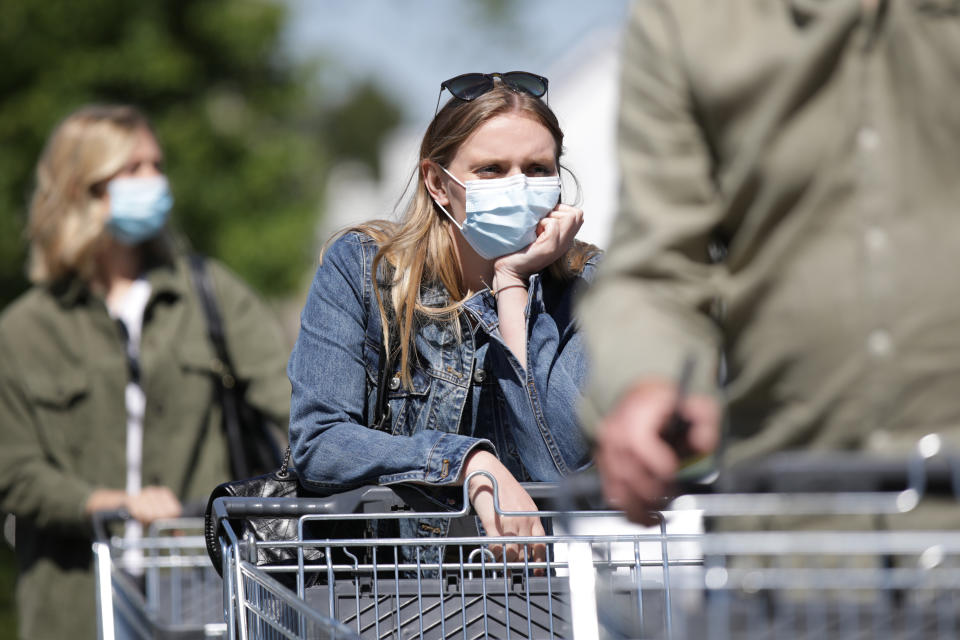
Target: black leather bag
{"x":276,"y":520}
{"x":282,"y":483}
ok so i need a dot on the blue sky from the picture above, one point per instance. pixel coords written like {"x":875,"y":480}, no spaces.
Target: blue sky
{"x":410,"y":46}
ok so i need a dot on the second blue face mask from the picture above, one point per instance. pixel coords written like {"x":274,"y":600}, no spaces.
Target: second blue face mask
{"x":502,"y":213}
{"x":138,"y":208}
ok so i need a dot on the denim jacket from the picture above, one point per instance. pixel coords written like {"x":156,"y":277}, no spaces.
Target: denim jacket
{"x":468,"y":391}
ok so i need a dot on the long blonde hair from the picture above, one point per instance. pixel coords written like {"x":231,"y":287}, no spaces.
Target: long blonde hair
{"x":68,"y":216}
{"x":418,"y":250}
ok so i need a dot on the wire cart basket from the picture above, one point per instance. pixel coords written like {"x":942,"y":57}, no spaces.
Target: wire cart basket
{"x":159,"y":586}
{"x":825,"y":550}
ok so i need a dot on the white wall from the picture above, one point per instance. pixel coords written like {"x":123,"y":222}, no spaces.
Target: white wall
{"x":584,"y":95}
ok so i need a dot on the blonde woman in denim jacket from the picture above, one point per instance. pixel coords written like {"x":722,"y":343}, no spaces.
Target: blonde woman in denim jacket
{"x":474,"y":298}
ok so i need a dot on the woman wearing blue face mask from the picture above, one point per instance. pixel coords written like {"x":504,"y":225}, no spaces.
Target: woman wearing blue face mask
{"x":472,"y":290}
{"x":106,"y":370}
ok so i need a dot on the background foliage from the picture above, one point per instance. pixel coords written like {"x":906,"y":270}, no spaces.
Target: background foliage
{"x":242,"y":127}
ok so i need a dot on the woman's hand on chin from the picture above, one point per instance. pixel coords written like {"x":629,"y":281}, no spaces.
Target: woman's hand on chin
{"x":555,"y":234}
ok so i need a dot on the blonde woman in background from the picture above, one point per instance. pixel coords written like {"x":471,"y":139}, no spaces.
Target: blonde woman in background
{"x":106,"y":370}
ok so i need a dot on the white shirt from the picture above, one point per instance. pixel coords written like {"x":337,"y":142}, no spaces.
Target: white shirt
{"x":129,"y":310}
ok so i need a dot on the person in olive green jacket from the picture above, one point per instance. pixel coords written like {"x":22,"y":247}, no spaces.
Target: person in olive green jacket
{"x":106,"y":369}
{"x":790,"y":197}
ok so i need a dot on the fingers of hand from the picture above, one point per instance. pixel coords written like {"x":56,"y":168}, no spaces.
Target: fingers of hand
{"x":704,"y":415}
{"x":548,"y":235}
{"x":633,"y":490}
{"x":647,"y":516}
{"x":153,"y":503}
{"x":538,"y":553}
{"x":548,"y":246}
{"x":513,"y":498}
{"x":521,"y":527}
{"x":631,"y":434}
{"x":508,"y":552}
{"x":635,"y":493}
{"x":636,"y":464}
{"x":570,"y":219}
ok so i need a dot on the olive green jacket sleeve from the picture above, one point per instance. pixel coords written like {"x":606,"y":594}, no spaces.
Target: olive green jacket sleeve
{"x":647,"y":309}
{"x":34,"y":482}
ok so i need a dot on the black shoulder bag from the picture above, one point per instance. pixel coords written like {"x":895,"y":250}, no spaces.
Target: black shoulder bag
{"x":253,"y":448}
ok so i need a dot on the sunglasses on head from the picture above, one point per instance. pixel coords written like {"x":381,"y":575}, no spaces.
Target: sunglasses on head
{"x":470,"y":86}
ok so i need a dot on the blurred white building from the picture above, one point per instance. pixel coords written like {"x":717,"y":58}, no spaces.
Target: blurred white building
{"x":584,"y":95}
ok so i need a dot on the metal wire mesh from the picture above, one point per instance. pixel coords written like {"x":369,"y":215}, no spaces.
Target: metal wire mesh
{"x":161,"y":585}
{"x":857,"y":582}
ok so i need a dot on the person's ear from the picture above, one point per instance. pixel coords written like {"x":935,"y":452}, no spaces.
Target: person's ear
{"x":433,"y":181}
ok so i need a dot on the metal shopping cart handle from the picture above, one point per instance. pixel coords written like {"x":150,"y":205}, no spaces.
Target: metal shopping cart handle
{"x":812,"y":482}
{"x":809,"y":472}
{"x":367,"y":499}
{"x":806,"y":480}
{"x":790,"y":472}
{"x":101,"y":520}
{"x":275,"y":518}
{"x":930,"y":469}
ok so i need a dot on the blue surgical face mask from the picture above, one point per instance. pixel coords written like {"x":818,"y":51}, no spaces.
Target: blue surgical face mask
{"x":139,"y":208}
{"x":502,"y":213}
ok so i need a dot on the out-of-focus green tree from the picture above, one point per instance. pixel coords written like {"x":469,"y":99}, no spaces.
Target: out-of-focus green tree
{"x":238,"y":120}
{"x":355,"y":127}
{"x":498,"y":13}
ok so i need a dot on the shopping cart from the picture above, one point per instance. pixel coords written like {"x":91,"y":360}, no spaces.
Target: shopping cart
{"x":603,"y":578}
{"x":401,"y":588}
{"x":829,"y":546}
{"x":161,"y":585}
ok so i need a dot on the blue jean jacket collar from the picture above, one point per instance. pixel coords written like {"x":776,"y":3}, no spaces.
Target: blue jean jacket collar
{"x":482,"y":305}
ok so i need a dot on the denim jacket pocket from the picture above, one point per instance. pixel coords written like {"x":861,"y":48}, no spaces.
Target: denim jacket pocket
{"x":407,"y":404}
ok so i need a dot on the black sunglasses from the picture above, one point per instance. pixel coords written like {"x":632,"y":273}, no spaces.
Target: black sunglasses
{"x":470,"y":86}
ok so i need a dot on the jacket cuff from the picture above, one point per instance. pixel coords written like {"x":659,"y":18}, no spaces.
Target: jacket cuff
{"x":446,"y":458}
{"x":69,"y":508}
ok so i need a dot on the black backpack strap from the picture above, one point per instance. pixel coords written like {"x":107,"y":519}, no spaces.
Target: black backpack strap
{"x":226,"y":380}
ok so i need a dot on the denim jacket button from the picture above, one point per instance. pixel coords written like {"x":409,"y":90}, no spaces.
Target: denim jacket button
{"x":479,"y":376}
{"x":394,"y":383}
